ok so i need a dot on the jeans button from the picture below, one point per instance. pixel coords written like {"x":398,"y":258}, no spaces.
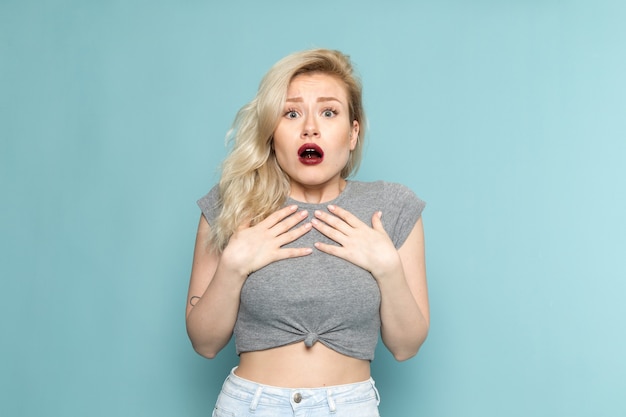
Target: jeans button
{"x":297,"y":397}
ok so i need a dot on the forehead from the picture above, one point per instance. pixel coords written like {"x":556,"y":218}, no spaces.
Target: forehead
{"x":317,"y":84}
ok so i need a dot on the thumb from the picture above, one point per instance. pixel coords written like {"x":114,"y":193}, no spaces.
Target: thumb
{"x":377,"y":224}
{"x":245,"y":223}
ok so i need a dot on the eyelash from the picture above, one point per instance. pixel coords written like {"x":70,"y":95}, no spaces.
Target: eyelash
{"x":329,"y":109}
{"x":290,"y":111}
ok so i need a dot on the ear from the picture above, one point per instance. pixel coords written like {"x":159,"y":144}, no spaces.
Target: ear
{"x":354,"y":134}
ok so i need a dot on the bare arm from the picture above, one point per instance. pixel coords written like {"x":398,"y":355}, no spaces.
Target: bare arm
{"x":216,"y":280}
{"x":404,"y":310}
{"x":401,"y":274}
{"x":213,"y":298}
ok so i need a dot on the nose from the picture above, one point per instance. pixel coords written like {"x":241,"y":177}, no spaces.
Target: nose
{"x":310,"y":128}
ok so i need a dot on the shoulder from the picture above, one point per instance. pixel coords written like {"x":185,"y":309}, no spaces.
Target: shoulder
{"x":400,"y":206}
{"x":391,"y":192}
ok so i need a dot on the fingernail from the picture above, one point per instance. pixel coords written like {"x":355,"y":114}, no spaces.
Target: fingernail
{"x":331,"y":208}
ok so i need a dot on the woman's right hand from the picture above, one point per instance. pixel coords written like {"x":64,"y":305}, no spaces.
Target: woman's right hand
{"x":251,"y":248}
{"x":217,"y":279}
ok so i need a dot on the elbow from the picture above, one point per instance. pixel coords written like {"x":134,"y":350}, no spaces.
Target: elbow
{"x":403,"y":356}
{"x":410,"y":349}
{"x":205,"y":351}
{"x":207,"y":355}
{"x":204,"y":347}
{"x":202,"y":342}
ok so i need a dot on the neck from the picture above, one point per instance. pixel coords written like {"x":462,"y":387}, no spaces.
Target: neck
{"x":319,"y":194}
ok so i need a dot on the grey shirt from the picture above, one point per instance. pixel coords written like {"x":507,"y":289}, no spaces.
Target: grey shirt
{"x":320,"y":297}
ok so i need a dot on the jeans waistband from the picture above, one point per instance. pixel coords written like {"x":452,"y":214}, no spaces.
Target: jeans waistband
{"x":332,"y":396}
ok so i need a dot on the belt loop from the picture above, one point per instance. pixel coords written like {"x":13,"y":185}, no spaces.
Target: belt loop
{"x":375,"y":391}
{"x":256,"y":398}
{"x":331,"y":403}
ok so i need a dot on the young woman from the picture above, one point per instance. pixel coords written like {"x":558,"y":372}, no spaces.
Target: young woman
{"x":305,"y":267}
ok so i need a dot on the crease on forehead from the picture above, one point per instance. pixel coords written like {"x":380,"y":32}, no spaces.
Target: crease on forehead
{"x":315,"y":78}
{"x":319,"y":99}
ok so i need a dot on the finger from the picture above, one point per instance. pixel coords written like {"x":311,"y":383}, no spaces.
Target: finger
{"x":333,"y":221}
{"x":329,"y":231}
{"x":329,"y":249}
{"x":286,"y":253}
{"x":345,"y":215}
{"x":294,"y":234}
{"x":288,"y":223}
{"x":279,"y":215}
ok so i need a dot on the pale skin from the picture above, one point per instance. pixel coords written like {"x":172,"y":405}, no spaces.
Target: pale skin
{"x":217,"y":279}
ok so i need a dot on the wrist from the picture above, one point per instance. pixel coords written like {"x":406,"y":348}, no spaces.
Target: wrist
{"x":229,"y":267}
{"x":388,"y":268}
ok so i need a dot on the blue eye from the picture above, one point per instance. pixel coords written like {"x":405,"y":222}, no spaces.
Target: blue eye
{"x":329,"y":113}
{"x":291,"y":114}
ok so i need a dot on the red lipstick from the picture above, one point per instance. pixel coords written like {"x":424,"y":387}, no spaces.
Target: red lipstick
{"x":310,"y":154}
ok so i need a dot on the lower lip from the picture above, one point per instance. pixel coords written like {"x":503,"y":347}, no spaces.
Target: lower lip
{"x":311,"y":161}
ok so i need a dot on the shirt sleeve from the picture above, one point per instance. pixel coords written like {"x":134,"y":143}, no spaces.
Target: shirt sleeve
{"x":406,"y":209}
{"x":210,"y":205}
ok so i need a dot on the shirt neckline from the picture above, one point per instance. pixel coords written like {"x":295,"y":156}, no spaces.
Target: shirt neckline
{"x":335,"y":200}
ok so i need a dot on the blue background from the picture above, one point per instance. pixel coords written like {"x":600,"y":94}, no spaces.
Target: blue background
{"x":507,"y":117}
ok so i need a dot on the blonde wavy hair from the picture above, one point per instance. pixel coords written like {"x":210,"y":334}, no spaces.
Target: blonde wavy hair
{"x":252,"y":184}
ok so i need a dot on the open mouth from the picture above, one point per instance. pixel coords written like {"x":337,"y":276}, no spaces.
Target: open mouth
{"x":310,"y":154}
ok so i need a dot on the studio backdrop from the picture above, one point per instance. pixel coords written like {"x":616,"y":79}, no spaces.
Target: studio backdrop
{"x":507,"y":117}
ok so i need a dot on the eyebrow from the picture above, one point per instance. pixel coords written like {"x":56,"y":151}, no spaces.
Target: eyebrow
{"x":319,"y":99}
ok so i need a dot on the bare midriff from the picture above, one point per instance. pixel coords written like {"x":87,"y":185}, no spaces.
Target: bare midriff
{"x":297,"y":366}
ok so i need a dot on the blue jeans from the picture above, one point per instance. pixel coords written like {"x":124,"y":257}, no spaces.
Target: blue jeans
{"x":242,"y":398}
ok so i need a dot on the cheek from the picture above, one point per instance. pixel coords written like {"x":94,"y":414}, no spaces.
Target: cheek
{"x":341,"y":157}
{"x":280,"y":152}
{"x":278,"y":142}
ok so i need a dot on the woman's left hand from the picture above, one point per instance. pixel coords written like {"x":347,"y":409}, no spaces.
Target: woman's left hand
{"x":367,"y":247}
